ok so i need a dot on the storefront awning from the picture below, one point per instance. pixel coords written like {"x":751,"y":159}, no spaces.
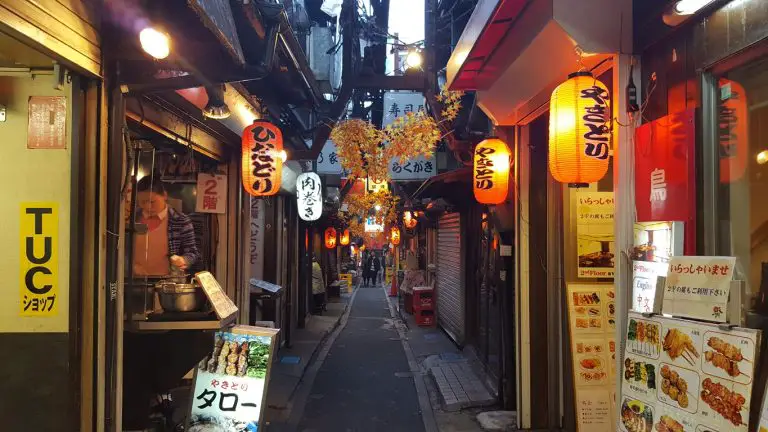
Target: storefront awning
{"x":511,"y":50}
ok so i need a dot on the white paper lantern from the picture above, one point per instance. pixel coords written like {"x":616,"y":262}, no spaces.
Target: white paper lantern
{"x":309,"y":193}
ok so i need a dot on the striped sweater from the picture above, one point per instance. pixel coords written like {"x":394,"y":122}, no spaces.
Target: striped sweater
{"x":181,"y":237}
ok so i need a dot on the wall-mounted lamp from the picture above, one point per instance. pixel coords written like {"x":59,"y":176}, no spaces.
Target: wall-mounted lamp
{"x":216,"y":108}
{"x":413,"y":59}
{"x":155,"y":42}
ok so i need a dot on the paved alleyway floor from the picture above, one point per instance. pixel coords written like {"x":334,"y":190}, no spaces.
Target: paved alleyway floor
{"x":364,"y":382}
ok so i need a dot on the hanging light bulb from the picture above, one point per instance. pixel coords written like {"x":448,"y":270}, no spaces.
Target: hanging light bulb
{"x":155,"y":43}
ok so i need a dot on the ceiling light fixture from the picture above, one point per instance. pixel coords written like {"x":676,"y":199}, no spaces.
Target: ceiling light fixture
{"x":216,"y":108}
{"x":690,"y":7}
{"x":155,"y":43}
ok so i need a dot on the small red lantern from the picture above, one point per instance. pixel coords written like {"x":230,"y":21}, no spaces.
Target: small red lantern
{"x":409,"y":219}
{"x":491,"y":171}
{"x":394,"y":236}
{"x":330,"y":238}
{"x":262,"y":162}
{"x":344,"y":240}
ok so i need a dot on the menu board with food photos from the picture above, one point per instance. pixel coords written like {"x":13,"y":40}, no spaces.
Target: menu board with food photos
{"x":686,"y":376}
{"x":592,"y":323}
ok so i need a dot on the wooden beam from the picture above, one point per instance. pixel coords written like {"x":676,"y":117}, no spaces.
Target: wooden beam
{"x":415,"y":81}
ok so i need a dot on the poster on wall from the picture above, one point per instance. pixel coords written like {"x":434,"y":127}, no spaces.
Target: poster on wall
{"x":655,"y":244}
{"x":211,"y":193}
{"x":594,"y":231}
{"x":682,"y":375}
{"x":230,"y":387}
{"x":592,"y":324}
{"x":39,"y":260}
{"x":698,"y":287}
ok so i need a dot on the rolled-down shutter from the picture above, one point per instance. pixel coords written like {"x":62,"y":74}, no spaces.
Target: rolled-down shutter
{"x":450,"y":280}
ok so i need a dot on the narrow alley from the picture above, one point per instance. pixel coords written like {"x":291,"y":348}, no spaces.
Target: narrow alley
{"x":364,"y":383}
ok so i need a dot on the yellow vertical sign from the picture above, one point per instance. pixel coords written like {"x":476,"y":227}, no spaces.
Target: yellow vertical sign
{"x":38,"y":259}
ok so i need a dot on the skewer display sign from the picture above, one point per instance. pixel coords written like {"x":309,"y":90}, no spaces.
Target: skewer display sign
{"x":681,"y":375}
{"x":591,"y":317}
{"x":231,"y":383}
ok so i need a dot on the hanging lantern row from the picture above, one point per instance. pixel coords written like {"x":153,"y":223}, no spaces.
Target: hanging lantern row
{"x":409,"y":219}
{"x":330,"y":238}
{"x":262,"y":163}
{"x":344,"y":239}
{"x":491,"y":171}
{"x":579,"y":136}
{"x":394,"y":236}
{"x":309,"y":195}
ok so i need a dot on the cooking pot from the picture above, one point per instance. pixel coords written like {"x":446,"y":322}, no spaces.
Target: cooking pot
{"x":179,"y":297}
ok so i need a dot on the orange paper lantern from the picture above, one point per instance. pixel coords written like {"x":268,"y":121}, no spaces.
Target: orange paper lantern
{"x":344,"y":240}
{"x":362,"y":248}
{"x":262,"y":163}
{"x":330,"y":238}
{"x":579,"y":137}
{"x":409,"y":219}
{"x":491,"y":171}
{"x":394,"y":236}
{"x":733,"y":129}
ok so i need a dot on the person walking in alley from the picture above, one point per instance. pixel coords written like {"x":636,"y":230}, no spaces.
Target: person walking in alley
{"x":318,"y":286}
{"x":373,"y":267}
{"x":368,"y":267}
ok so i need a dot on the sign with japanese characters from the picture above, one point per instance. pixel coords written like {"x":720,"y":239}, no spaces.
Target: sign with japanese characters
{"x":665,"y":186}
{"x":398,"y":104}
{"x":683,"y":375}
{"x":698,"y":287}
{"x":47,"y":124}
{"x":594,"y":231}
{"x":328,"y":160}
{"x":39,"y":259}
{"x":211,"y":193}
{"x":223,"y":306}
{"x":230,"y":388}
{"x":375,"y":185}
{"x":372,"y":225}
{"x":309,"y":193}
{"x":592,"y":324}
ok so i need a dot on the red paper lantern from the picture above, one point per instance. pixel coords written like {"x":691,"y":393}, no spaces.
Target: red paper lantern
{"x":344,"y":240}
{"x":394,"y":236}
{"x":491,"y":171}
{"x":262,"y":162}
{"x":330,"y":238}
{"x":409,"y":219}
{"x":579,"y":137}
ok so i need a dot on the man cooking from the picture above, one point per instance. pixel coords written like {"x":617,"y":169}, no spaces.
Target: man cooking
{"x":169,"y":243}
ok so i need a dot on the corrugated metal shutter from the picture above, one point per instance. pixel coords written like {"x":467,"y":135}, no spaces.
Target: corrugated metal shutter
{"x":450,"y":277}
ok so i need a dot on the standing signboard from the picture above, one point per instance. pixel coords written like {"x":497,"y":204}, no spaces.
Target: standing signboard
{"x":398,"y":104}
{"x":592,"y":324}
{"x":594,"y":231}
{"x":683,"y":375}
{"x":230,"y":385}
{"x":698,"y":287}
{"x":211,"y":193}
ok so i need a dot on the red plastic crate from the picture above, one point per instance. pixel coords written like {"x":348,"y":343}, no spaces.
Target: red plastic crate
{"x":424,"y":317}
{"x":423,"y":298}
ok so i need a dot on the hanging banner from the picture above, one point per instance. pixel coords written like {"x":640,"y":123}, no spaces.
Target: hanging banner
{"x":665,"y":185}
{"x":594,"y":231}
{"x":682,"y":375}
{"x":733,"y":131}
{"x":398,"y":104}
{"x":230,"y":388}
{"x":211,"y":193}
{"x":592,"y":323}
{"x":698,"y":287}
{"x":309,"y":194}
